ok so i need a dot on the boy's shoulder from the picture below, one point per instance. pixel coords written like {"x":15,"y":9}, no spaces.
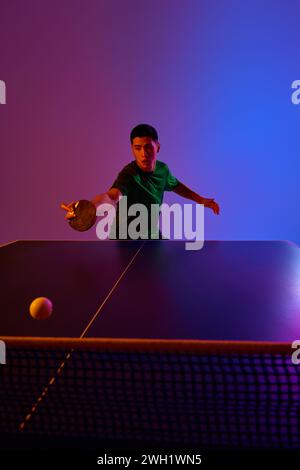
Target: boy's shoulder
{"x":161,"y":167}
{"x":161,"y":164}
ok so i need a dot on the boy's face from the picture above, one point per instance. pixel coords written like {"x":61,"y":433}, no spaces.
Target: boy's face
{"x":145,"y":150}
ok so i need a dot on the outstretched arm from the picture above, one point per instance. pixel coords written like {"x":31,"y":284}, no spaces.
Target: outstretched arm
{"x":112,"y":196}
{"x":182,"y":190}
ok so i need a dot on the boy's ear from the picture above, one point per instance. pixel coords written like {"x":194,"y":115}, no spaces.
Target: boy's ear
{"x":158,"y":147}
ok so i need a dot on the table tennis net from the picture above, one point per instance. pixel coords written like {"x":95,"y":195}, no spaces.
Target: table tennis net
{"x":241,"y":400}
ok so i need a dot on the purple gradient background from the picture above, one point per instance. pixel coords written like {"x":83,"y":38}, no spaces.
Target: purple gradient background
{"x":213,"y":76}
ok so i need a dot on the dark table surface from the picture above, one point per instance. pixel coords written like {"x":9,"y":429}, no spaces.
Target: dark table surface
{"x":228,"y":290}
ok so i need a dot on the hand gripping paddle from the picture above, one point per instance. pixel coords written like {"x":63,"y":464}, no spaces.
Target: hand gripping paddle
{"x":84,"y":215}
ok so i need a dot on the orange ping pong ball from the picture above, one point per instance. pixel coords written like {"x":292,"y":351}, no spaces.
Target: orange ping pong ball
{"x":40,"y":308}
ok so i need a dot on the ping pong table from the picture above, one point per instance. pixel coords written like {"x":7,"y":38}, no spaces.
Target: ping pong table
{"x":151,"y":343}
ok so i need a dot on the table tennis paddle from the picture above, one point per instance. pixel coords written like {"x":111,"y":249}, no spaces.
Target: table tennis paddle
{"x":84,"y":215}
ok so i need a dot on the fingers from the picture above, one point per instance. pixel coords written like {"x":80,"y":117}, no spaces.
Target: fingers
{"x":70,"y":208}
{"x":216,"y":208}
{"x":213,"y":205}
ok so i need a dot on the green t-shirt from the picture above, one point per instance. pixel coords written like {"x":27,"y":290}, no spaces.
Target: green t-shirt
{"x":144,"y":187}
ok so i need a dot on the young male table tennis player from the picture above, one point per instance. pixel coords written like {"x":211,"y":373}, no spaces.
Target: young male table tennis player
{"x":145,"y":179}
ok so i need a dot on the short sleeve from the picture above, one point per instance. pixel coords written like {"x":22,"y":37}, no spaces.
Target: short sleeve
{"x":171,"y":181}
{"x":123,"y":181}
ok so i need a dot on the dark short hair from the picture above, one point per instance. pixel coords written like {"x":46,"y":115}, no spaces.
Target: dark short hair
{"x":144,"y":130}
